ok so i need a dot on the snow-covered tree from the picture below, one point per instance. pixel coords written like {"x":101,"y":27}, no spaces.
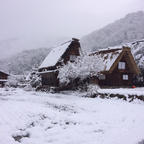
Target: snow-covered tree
{"x":33,"y":79}
{"x":15,"y":81}
{"x":83,"y":67}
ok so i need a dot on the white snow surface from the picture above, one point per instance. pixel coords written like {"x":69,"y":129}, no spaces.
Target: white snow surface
{"x":55,"y":55}
{"x":68,"y":119}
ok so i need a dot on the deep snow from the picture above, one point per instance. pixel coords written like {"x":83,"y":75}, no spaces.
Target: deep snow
{"x":68,"y":119}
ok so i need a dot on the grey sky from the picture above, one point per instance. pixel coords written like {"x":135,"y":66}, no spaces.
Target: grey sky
{"x":28,"y":24}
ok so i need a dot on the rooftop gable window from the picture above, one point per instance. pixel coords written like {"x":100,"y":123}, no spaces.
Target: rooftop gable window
{"x":121,"y":65}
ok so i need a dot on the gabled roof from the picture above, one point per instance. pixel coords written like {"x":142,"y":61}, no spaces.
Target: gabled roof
{"x":55,"y":55}
{"x":112,"y":56}
{"x":108,"y":56}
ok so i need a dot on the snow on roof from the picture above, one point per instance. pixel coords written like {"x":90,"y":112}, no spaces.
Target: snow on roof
{"x":55,"y":55}
{"x":4,"y":72}
{"x":109,"y":56}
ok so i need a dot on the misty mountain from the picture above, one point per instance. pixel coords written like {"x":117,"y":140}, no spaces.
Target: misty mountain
{"x":23,"y":62}
{"x":15,"y":45}
{"x":13,"y":58}
{"x":125,"y":30}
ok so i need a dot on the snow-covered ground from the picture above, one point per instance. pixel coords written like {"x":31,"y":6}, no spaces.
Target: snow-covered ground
{"x":124,"y":91}
{"x":41,"y":118}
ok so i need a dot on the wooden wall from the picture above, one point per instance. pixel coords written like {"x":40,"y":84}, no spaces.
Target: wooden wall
{"x":3,"y":76}
{"x":50,"y":79}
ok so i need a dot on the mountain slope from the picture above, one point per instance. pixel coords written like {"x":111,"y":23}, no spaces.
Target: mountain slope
{"x":24,"y":62}
{"x":138,"y":52}
{"x":127,"y":29}
{"x":15,"y":45}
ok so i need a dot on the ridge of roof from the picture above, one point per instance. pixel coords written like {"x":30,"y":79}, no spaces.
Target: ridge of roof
{"x":111,"y":49}
{"x":104,"y":51}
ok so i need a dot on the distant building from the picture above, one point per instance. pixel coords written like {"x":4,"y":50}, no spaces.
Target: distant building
{"x":3,"y":78}
{"x":119,"y":67}
{"x":58,"y":56}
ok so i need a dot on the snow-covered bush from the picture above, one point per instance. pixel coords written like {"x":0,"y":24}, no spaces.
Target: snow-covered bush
{"x":15,"y":80}
{"x":83,"y":67}
{"x":28,"y":87}
{"x":12,"y":81}
{"x":33,"y":79}
{"x":92,"y":89}
{"x":139,"y":79}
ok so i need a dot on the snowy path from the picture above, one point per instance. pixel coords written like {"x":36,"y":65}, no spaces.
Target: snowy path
{"x":40,"y":118}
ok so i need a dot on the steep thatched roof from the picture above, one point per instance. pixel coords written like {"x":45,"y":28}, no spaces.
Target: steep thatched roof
{"x":55,"y":55}
{"x":112,"y":56}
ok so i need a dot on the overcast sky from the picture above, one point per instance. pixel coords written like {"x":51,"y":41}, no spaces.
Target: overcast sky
{"x":28,"y":24}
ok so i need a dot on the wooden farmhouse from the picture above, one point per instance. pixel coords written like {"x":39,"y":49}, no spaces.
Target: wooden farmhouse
{"x":57,"y":57}
{"x":119,"y":67}
{"x":3,"y":78}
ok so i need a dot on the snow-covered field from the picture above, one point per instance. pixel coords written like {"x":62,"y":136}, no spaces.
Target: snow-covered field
{"x":41,"y":118}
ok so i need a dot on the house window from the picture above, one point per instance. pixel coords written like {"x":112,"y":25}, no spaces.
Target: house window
{"x":121,"y":65}
{"x":125,"y":77}
{"x":102,"y":77}
{"x":72,"y":57}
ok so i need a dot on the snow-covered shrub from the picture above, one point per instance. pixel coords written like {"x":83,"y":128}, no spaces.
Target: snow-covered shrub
{"x":28,"y":88}
{"x":33,"y":79}
{"x":15,"y":81}
{"x":92,"y":89}
{"x":83,"y":67}
{"x":6,"y":88}
{"x":12,"y":81}
{"x":139,"y":79}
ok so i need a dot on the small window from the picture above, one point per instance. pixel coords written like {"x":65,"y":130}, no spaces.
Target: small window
{"x":125,"y":77}
{"x":121,"y":65}
{"x":72,"y":57}
{"x":102,"y":77}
